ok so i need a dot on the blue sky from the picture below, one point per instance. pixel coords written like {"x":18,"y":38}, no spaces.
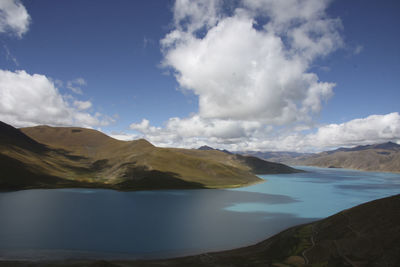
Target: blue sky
{"x":244,"y":75}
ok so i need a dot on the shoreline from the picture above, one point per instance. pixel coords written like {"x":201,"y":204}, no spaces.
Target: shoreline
{"x":118,"y":189}
{"x":345,"y":169}
{"x":289,"y":246}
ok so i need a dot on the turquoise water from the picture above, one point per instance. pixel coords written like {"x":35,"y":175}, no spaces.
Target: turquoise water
{"x":321,"y":192}
{"x":82,"y":223}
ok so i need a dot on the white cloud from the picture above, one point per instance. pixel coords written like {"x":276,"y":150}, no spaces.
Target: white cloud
{"x":369,"y":130}
{"x":76,"y":85}
{"x":372,"y":129}
{"x":249,"y":69}
{"x":144,"y":127}
{"x":10,"y":56}
{"x":251,"y":72}
{"x":191,"y":16}
{"x":244,"y":135}
{"x":196,"y":131}
{"x":244,"y":71}
{"x":123,"y":136}
{"x":28,"y":100}
{"x":82,"y":105}
{"x":13,"y":17}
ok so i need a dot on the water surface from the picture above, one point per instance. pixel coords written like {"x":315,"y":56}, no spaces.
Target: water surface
{"x":82,"y":223}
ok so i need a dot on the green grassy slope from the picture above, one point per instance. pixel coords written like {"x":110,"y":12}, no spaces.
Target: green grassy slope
{"x":119,"y":161}
{"x":366,"y":235}
{"x":86,"y":157}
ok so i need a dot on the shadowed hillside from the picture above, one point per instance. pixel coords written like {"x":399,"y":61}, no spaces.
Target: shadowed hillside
{"x":260,"y":166}
{"x":25,"y":163}
{"x":366,"y":235}
{"x":257,"y":165}
{"x":51,"y":157}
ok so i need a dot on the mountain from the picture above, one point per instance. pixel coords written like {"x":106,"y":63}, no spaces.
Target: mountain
{"x":206,"y":148}
{"x":384,"y":146}
{"x":258,"y":166}
{"x":210,"y":148}
{"x":25,"y":163}
{"x":274,"y":156}
{"x":383,"y":157}
{"x":366,"y":235}
{"x":52,"y":157}
{"x":11,"y":136}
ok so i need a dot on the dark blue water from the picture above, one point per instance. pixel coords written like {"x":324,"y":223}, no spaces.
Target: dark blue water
{"x":81,"y":223}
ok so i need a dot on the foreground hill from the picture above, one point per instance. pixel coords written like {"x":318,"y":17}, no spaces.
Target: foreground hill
{"x":25,"y":163}
{"x":379,"y":157}
{"x":51,"y":157}
{"x":366,"y":235}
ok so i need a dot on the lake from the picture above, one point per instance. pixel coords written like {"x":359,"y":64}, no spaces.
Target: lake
{"x":85,"y":223}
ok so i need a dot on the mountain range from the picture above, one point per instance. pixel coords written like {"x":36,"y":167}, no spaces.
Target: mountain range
{"x":54,"y":157}
{"x":384,"y":157}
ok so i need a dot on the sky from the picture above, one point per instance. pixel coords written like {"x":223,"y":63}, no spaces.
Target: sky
{"x":266,"y":75}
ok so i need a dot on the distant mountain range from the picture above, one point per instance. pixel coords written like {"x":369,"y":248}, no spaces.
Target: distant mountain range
{"x":55,"y":157}
{"x":366,"y":235}
{"x":383,"y":157}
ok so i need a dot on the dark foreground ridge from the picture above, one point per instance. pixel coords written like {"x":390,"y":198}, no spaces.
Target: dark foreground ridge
{"x":366,"y":235}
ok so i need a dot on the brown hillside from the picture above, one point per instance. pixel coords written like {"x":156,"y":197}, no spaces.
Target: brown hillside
{"x":366,"y":158}
{"x":86,"y":157}
{"x":118,"y":161}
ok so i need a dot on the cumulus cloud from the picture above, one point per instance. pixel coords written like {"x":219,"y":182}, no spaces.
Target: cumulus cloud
{"x":13,"y":17}
{"x":243,"y":69}
{"x":248,"y":62}
{"x":369,"y":130}
{"x":196,"y":127}
{"x":28,"y":100}
{"x":250,"y":68}
{"x":244,"y":135}
{"x":191,"y":16}
{"x":143,"y":126}
{"x":372,"y":129}
{"x":76,"y":85}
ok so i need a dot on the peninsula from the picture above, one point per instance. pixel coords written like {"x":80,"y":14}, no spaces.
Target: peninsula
{"x":58,"y":157}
